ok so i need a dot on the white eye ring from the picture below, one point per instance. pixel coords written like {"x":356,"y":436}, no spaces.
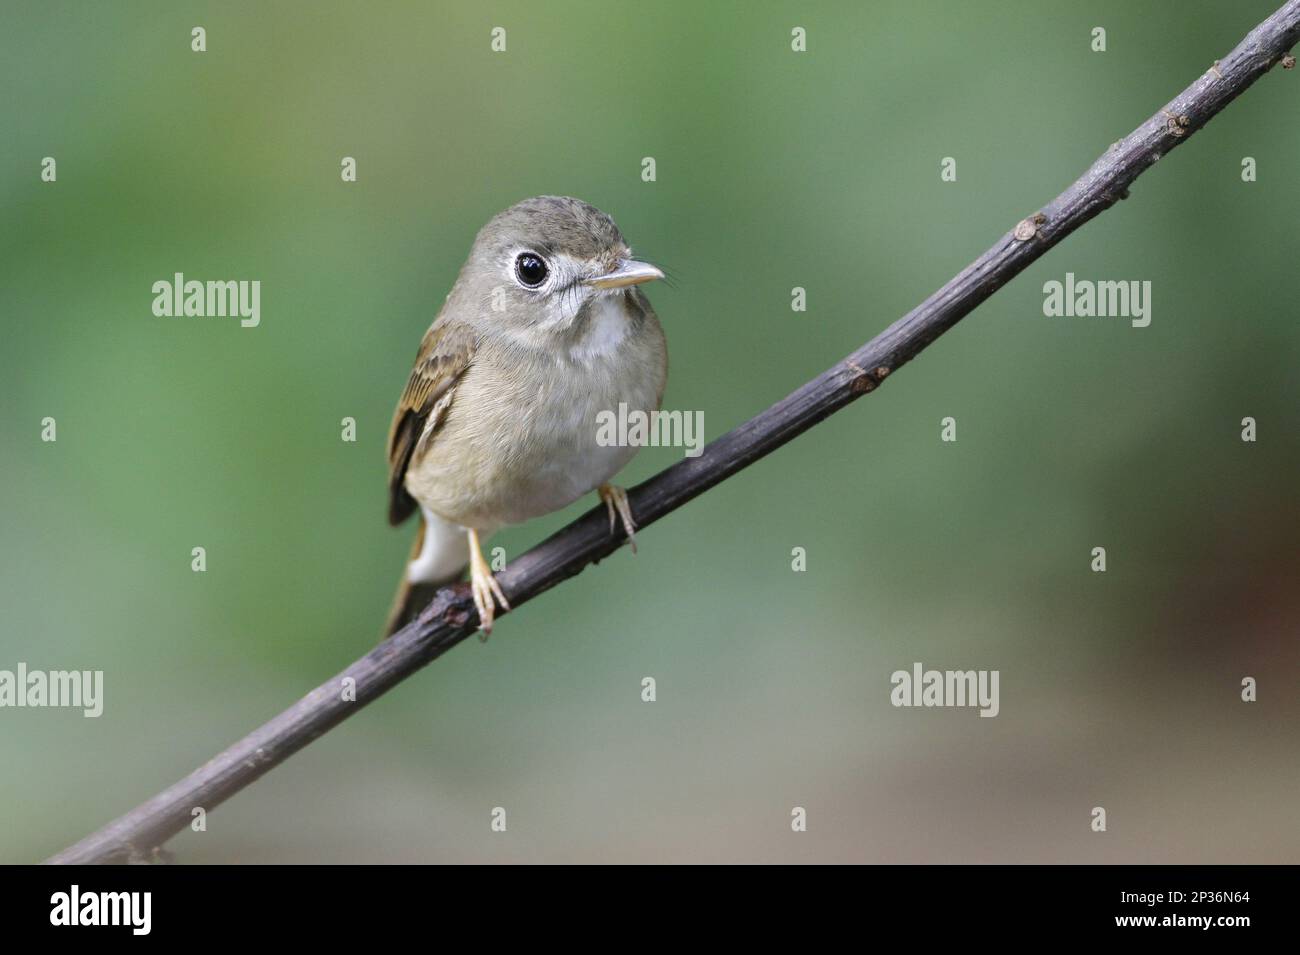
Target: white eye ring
{"x":531,"y":270}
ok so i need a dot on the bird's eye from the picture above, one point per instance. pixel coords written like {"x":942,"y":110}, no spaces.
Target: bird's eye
{"x":531,"y":269}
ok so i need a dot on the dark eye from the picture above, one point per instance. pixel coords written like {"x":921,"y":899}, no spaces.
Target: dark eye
{"x":531,"y":269}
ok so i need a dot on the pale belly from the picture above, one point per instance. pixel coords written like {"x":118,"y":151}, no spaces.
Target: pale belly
{"x":519,"y":443}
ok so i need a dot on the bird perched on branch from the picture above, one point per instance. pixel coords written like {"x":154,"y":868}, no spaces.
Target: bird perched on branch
{"x":545,"y":327}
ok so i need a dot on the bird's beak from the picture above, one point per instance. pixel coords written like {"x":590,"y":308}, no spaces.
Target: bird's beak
{"x":627,"y":273}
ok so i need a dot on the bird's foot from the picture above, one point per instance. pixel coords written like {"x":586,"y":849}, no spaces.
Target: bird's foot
{"x":487,"y":592}
{"x":615,"y":499}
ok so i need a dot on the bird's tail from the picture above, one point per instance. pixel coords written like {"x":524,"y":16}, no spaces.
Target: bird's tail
{"x":439,"y":556}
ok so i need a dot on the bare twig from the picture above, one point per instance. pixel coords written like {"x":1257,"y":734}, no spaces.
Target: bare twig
{"x":451,"y":617}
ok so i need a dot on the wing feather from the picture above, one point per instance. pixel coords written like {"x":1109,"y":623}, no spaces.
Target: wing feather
{"x":445,"y":354}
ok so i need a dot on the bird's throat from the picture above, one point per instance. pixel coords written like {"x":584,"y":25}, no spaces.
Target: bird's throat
{"x":601,"y":330}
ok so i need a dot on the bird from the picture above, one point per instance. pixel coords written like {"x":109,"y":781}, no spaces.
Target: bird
{"x":545,"y":327}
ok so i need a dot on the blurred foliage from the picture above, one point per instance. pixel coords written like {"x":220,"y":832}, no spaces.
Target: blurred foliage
{"x":775,"y":170}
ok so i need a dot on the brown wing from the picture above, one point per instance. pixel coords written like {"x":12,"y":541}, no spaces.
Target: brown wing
{"x":445,"y":353}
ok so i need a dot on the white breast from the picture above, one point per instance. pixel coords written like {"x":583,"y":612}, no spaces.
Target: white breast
{"x":563,"y":459}
{"x":520,"y":438}
{"x":606,"y":328}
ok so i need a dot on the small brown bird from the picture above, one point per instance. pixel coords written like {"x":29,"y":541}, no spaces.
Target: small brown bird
{"x":545,"y":328}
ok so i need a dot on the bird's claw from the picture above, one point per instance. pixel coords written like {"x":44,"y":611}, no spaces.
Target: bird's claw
{"x":616,"y":502}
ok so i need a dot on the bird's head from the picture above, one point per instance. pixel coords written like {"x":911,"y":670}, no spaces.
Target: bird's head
{"x":537,"y":268}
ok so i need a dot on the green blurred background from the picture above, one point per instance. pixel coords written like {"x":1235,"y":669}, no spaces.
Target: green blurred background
{"x":775,"y":170}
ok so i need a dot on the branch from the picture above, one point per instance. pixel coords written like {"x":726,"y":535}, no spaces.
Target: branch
{"x":451,"y":616}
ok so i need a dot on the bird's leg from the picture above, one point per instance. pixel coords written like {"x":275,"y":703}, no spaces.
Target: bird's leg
{"x":487,"y":592}
{"x":615,"y":499}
